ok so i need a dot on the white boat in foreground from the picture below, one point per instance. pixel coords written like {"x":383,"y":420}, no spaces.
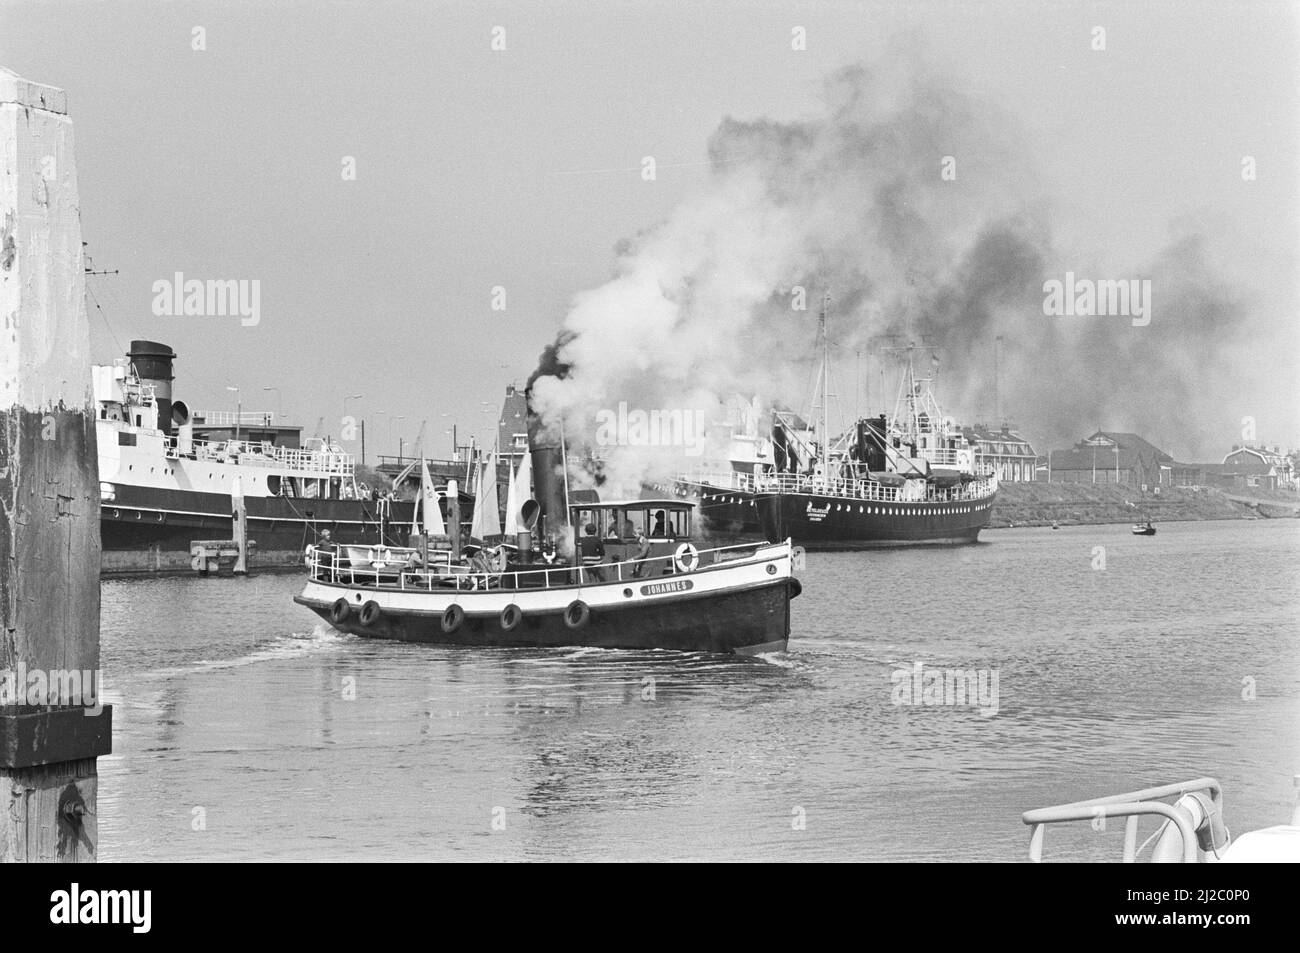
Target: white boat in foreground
{"x":1193,"y":830}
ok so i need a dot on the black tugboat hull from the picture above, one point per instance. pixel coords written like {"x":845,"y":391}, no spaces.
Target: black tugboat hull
{"x":826,"y":523}
{"x":746,"y":622}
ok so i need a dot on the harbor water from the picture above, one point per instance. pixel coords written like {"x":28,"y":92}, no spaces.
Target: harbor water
{"x":246,"y":730}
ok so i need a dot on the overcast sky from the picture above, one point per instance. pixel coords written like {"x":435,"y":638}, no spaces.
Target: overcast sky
{"x":521,"y":168}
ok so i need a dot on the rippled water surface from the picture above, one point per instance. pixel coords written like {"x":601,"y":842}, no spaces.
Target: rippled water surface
{"x":237,"y":736}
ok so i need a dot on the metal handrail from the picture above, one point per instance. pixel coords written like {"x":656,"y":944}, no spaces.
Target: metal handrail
{"x":226,"y":418}
{"x":1131,"y":805}
{"x":328,"y":566}
{"x":872,"y":490}
{"x":247,"y":453}
{"x":852,"y":489}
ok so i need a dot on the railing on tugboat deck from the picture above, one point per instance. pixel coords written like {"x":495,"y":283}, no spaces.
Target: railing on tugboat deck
{"x":397,"y":568}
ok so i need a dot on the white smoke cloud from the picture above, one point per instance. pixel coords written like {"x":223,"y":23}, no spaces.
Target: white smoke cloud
{"x":854,"y":201}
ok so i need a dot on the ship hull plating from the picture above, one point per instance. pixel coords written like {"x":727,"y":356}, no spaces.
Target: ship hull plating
{"x":723,"y":512}
{"x":740,"y":622}
{"x":149,"y":529}
{"x":825,"y":522}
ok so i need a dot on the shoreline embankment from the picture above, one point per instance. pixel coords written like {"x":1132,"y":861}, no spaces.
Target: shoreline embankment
{"x":1070,"y":504}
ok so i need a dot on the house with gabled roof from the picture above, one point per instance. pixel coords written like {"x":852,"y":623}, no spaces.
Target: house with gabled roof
{"x":1111,"y":457}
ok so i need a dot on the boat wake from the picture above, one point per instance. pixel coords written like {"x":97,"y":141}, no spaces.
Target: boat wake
{"x":281,"y":647}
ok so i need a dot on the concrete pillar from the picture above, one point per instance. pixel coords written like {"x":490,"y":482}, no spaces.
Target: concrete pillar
{"x":49,"y":493}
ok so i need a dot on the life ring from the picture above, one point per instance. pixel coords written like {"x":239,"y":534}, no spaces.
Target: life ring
{"x":339,"y":611}
{"x":796,"y":588}
{"x":307,"y":554}
{"x":452,"y":617}
{"x":577,"y":614}
{"x":511,"y":616}
{"x":370,"y":613}
{"x":686,"y":558}
{"x":499,"y":560}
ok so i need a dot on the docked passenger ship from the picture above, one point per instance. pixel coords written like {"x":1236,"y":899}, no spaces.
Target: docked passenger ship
{"x":910,"y":478}
{"x":162,"y":489}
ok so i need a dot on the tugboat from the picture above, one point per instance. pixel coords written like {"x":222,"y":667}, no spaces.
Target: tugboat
{"x":909,"y":479}
{"x":162,"y":486}
{"x":619,"y":574}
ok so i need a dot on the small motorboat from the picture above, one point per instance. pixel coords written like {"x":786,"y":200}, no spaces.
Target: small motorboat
{"x":1192,"y":828}
{"x":1144,"y":529}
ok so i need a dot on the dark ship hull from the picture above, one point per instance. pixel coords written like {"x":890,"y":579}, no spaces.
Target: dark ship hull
{"x":723,"y":512}
{"x":741,"y":622}
{"x":149,"y":529}
{"x":831,"y":522}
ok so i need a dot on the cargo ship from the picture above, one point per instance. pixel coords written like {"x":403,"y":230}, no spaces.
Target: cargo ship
{"x":891,"y":480}
{"x":164,"y":486}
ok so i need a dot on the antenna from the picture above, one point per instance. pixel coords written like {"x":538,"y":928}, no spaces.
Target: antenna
{"x":997,"y":383}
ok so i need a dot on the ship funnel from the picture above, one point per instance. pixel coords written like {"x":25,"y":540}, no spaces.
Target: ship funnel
{"x":552,"y":514}
{"x":153,"y":365}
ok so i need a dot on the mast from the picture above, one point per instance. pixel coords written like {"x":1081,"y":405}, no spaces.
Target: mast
{"x":826,"y":367}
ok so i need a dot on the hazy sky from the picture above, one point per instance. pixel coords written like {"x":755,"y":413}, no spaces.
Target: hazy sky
{"x":521,"y":168}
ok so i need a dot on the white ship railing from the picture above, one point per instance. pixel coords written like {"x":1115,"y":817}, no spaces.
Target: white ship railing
{"x":398,"y":568}
{"x":722,"y":479}
{"x":844,"y":488}
{"x":945,"y":457}
{"x":136,"y":392}
{"x":872,"y":491}
{"x":320,"y":463}
{"x":1131,"y":806}
{"x":229,"y":418}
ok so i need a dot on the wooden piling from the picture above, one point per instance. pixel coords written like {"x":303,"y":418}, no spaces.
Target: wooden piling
{"x":239,"y":522}
{"x":49,"y":494}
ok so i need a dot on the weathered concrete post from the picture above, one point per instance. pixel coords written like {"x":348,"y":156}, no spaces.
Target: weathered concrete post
{"x":50,"y":733}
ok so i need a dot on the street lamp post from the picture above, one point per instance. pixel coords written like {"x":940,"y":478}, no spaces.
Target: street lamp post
{"x":239,"y":409}
{"x":392,"y":420}
{"x":279,"y":404}
{"x":378,"y":413}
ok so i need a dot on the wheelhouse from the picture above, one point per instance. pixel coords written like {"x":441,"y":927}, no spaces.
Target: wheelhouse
{"x":662,"y":521}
